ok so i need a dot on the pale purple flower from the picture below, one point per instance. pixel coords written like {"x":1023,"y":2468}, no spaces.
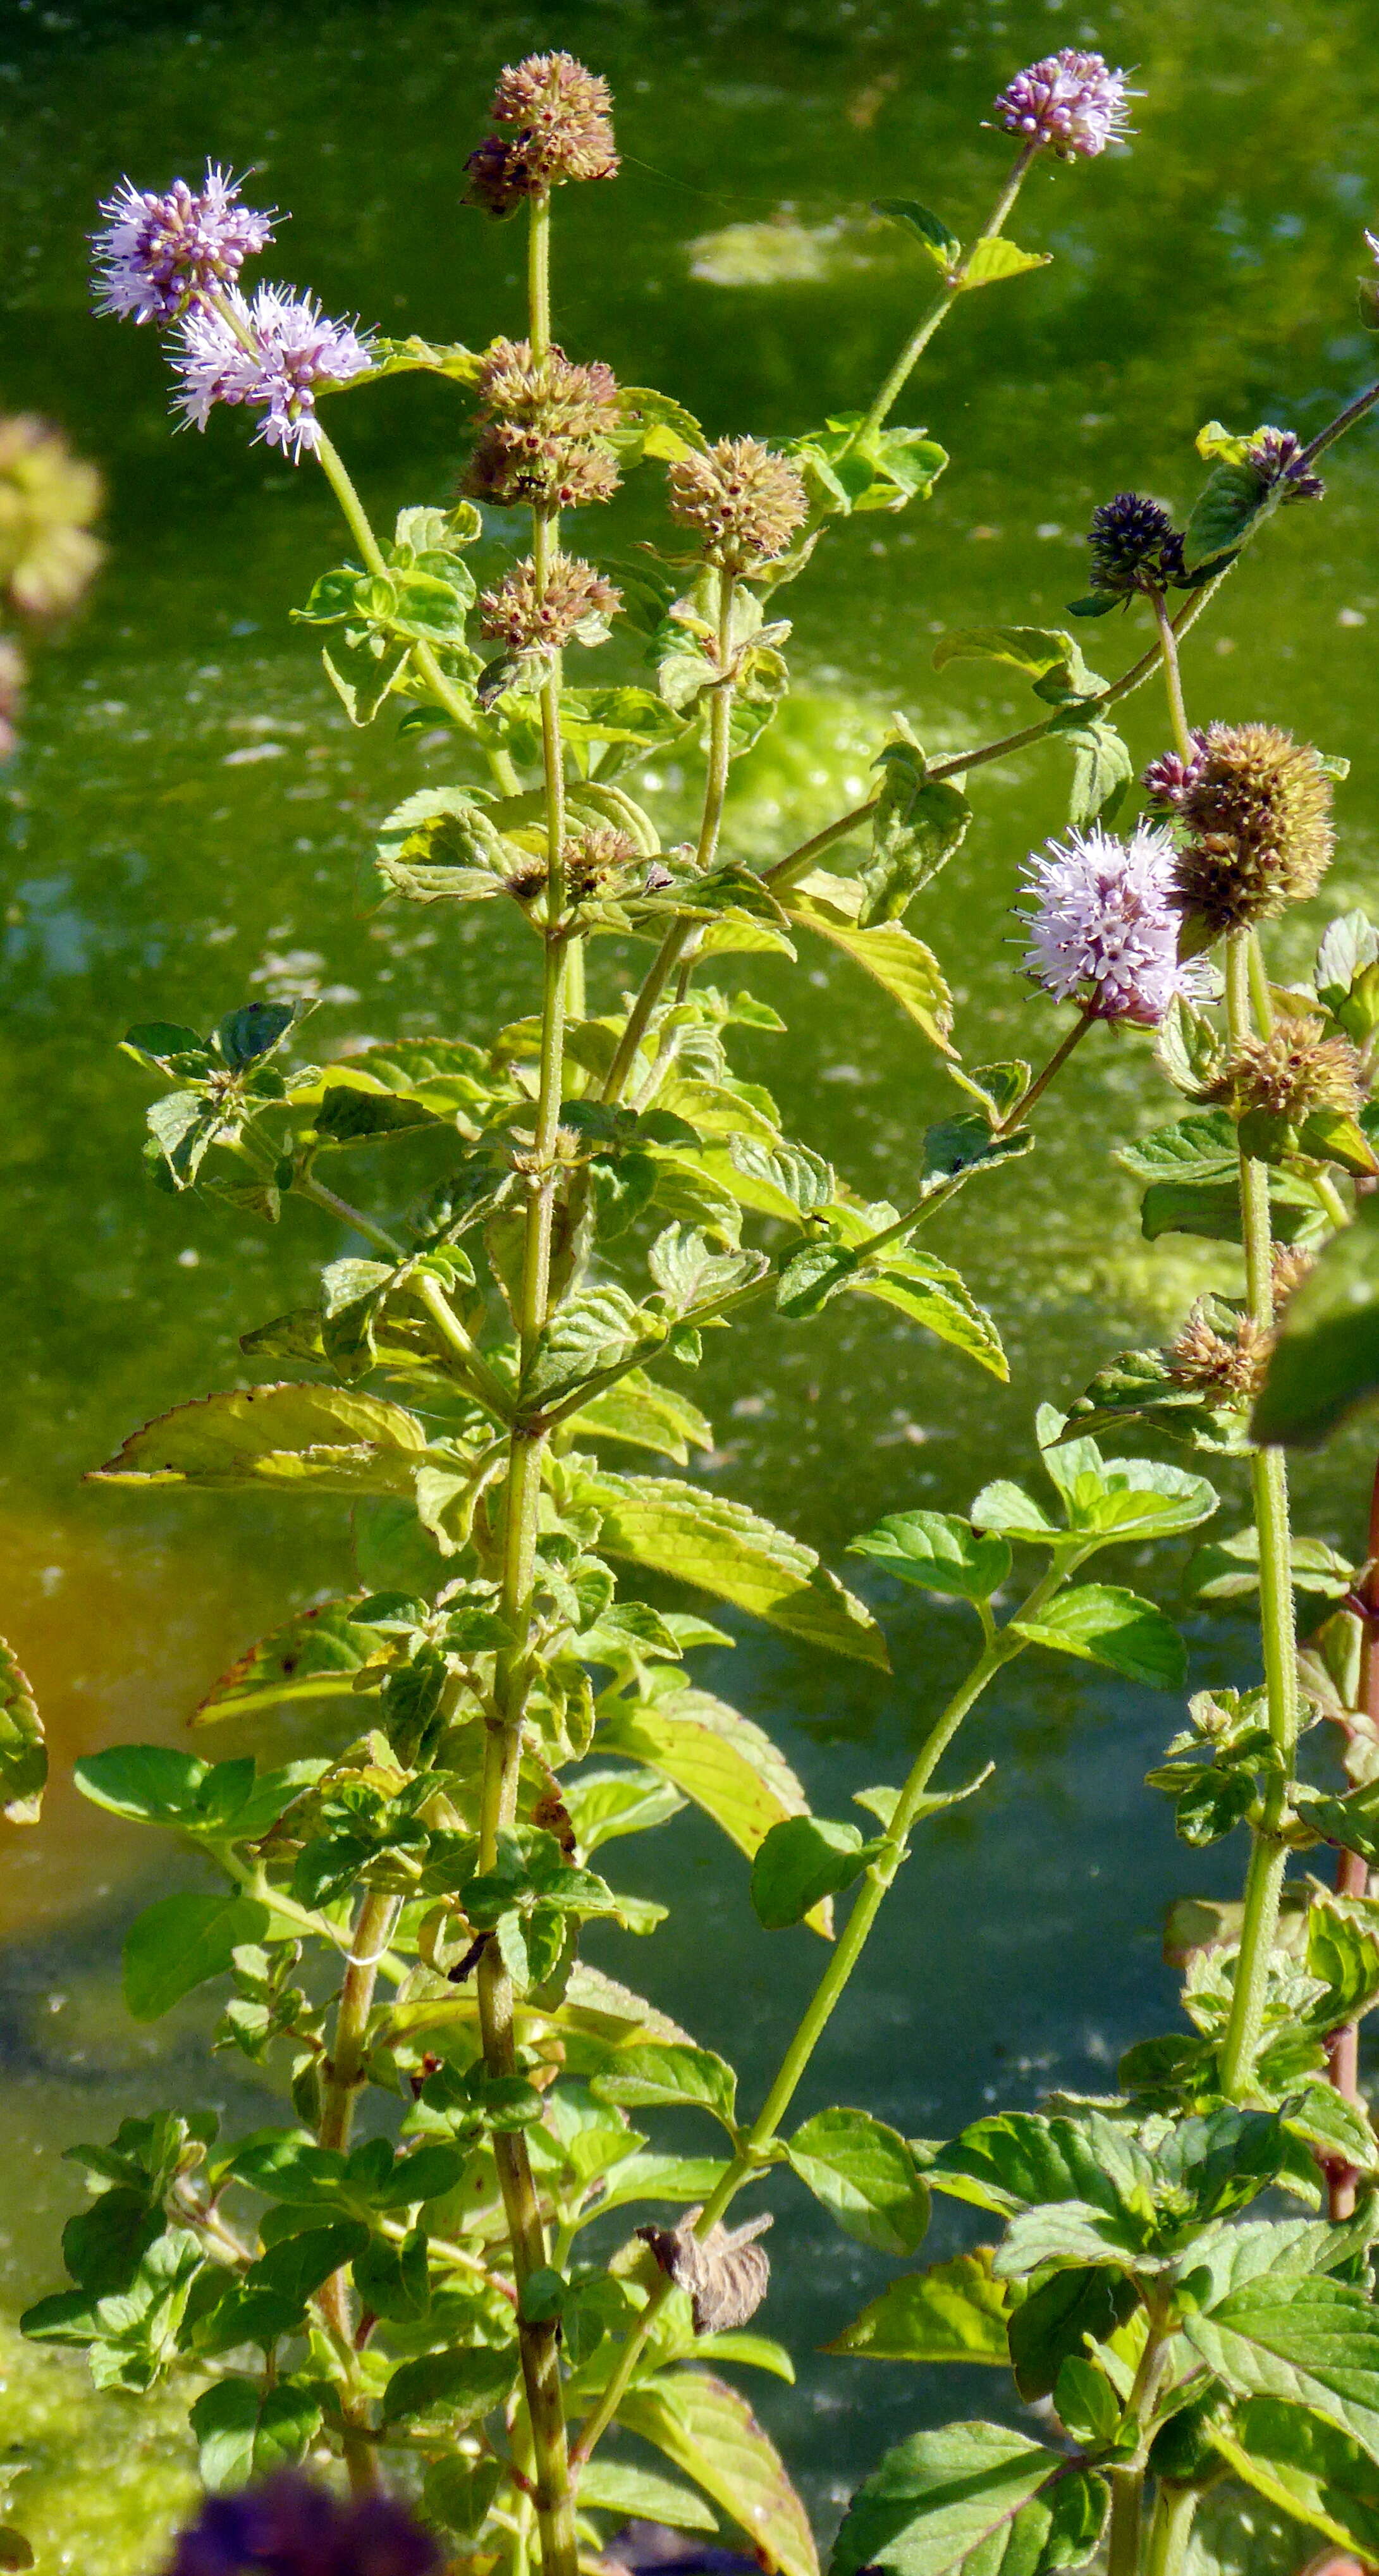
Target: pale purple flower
{"x":1104,"y":930}
{"x":158,"y":256}
{"x":272,"y":353}
{"x":1072,"y":102}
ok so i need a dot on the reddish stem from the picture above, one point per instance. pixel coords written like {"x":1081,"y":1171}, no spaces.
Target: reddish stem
{"x":1352,"y":1875}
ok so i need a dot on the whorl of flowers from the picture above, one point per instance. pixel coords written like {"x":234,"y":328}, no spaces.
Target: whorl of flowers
{"x":156,"y":256}
{"x":274,"y":355}
{"x":1288,"y":1267}
{"x":544,"y":434}
{"x":1214,"y":1363}
{"x":1103,"y":930}
{"x":574,"y":607}
{"x":597,"y":860}
{"x":744,"y":502}
{"x":1135,"y":545}
{"x":291,"y":2527}
{"x":48,"y":498}
{"x":1254,"y":807}
{"x":1275,"y":456}
{"x":1291,"y":1073}
{"x":564,"y":130}
{"x":1070,"y":103}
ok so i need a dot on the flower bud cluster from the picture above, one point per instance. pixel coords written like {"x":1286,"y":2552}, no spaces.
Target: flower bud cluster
{"x":574,"y":606}
{"x":1254,"y":809}
{"x":563,"y":131}
{"x":1070,"y":104}
{"x":1214,"y":1363}
{"x":1135,"y":546}
{"x":1276,"y":457}
{"x":544,"y":438}
{"x":1290,"y":1073}
{"x":597,"y":861}
{"x":745,"y":503}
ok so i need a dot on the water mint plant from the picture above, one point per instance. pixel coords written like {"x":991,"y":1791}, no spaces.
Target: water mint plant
{"x":408,"y":2271}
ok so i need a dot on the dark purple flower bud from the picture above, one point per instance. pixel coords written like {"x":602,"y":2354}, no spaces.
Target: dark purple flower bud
{"x":1135,"y":546}
{"x":291,"y":2527}
{"x":1275,"y":456}
{"x":1070,"y":103}
{"x":1167,"y":779}
{"x":159,"y":255}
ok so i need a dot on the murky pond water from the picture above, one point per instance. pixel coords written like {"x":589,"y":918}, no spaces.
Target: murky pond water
{"x":186,"y":812}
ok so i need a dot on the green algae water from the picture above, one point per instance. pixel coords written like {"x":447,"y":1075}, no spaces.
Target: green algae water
{"x":183,"y":824}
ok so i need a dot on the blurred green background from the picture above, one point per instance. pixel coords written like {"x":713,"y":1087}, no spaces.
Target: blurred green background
{"x":183,"y":821}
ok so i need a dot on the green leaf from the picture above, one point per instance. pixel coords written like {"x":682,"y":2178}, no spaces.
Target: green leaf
{"x":153,"y":1783}
{"x":866,"y":2175}
{"x":316,"y":1654}
{"x":953,"y":2312}
{"x":942,"y":246}
{"x":933,"y":1295}
{"x":1068,"y":2310}
{"x":180,"y":1941}
{"x":802,"y":1861}
{"x":1041,"y":652}
{"x":1104,"y":1625}
{"x":645,"y":1416}
{"x":394,"y":2280}
{"x":994,"y":258}
{"x":23,"y":1753}
{"x":1326,"y":1358}
{"x":1131,"y":1498}
{"x":939,"y":1552}
{"x":1305,"y":2465}
{"x":1315,"y":2341}
{"x":442,"y":842}
{"x":245,"y":2433}
{"x":462,"y":2386}
{"x":1010,"y":1512}
{"x":719,"y":1758}
{"x":665,"y":2074}
{"x":967,"y":2498}
{"x":1230,"y":503}
{"x":324,"y":1437}
{"x":907,"y":970}
{"x":611,"y":2486}
{"x":727,"y":1550}
{"x":707,"y":2429}
{"x":918,"y":824}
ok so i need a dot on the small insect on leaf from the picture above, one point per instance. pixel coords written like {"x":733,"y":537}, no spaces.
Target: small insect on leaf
{"x":725,"y":2273}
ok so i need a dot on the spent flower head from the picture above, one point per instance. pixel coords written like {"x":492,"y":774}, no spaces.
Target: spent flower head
{"x":48,"y":498}
{"x":1071,"y":103}
{"x":745,"y":503}
{"x":1103,"y":931}
{"x":1254,"y":808}
{"x":574,"y":606}
{"x":1135,"y":546}
{"x":158,"y":255}
{"x":544,"y":434}
{"x":1290,"y":1073}
{"x":291,"y":2527}
{"x":1230,"y":1364}
{"x":273,"y":354}
{"x":564,"y":131}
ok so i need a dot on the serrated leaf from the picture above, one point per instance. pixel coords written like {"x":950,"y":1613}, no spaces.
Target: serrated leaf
{"x":612,"y":2486}
{"x":1231,"y":501}
{"x":802,"y":1861}
{"x":1306,"y":2465}
{"x":965,"y":2501}
{"x":317,"y":1654}
{"x":462,"y":2386}
{"x":246,"y":2433}
{"x":935,"y":1296}
{"x":908,"y":970}
{"x":1314,"y":2341}
{"x":725,"y":1549}
{"x":708,"y":2430}
{"x":865,"y":2174}
{"x":645,"y":1416}
{"x":994,"y":257}
{"x":719,"y":1758}
{"x":664,"y":2074}
{"x":23,"y":1753}
{"x":942,"y":245}
{"x":939,"y":1552}
{"x":1105,"y":1625}
{"x":180,"y":1941}
{"x":955,"y":2311}
{"x":327,"y":1437}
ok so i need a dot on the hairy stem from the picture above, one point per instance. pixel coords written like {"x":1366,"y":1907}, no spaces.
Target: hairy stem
{"x":715,"y":792}
{"x":1352,"y":1876}
{"x":890,"y":392}
{"x":1268,"y":1854}
{"x":308,"y":1187}
{"x":1170,"y":2531}
{"x":538,"y":2343}
{"x":1173,"y":678}
{"x":1127,"y":2484}
{"x":999,"y":1649}
{"x":343,"y":2073}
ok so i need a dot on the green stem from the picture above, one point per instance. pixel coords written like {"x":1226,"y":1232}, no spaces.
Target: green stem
{"x":361,"y":529}
{"x":538,"y":2343}
{"x":997,"y":1650}
{"x":489,"y":1389}
{"x":1171,"y":2530}
{"x":711,"y":823}
{"x":306,"y":1186}
{"x":343,"y":2074}
{"x":953,"y":286}
{"x":1127,"y":2484}
{"x":1173,"y":678}
{"x":1268,"y":1853}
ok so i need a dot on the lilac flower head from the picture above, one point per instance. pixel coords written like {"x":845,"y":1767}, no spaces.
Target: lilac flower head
{"x":292,"y":2528}
{"x":158,"y":257}
{"x":1071,"y":102}
{"x":272,"y":354}
{"x":1104,"y":931}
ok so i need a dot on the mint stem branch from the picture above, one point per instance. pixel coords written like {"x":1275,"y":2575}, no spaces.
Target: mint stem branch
{"x":894,"y":384}
{"x":999,"y":1649}
{"x":343,"y":2075}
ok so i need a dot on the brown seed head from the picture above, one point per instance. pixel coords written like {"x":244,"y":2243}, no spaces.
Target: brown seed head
{"x":544,"y":438}
{"x":1290,"y":1074}
{"x":527,"y":882}
{"x":576,"y":603}
{"x":597,"y":860}
{"x":1256,"y":809}
{"x":1288,"y":1268}
{"x":500,"y":176}
{"x":550,"y":393}
{"x":1213,"y":1364}
{"x":744,"y":502}
{"x":563,"y":113}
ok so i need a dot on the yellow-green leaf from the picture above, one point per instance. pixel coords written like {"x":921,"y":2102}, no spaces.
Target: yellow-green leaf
{"x":23,"y":1753}
{"x":710,"y":2432}
{"x":328,"y":1436}
{"x":909,"y":971}
{"x":720,"y":1760}
{"x":952,"y":2312}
